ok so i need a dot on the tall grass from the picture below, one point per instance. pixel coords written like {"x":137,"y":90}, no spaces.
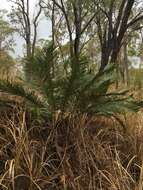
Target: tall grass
{"x":70,"y":153}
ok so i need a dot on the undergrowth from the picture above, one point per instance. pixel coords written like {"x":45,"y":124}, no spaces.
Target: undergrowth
{"x":69,"y":153}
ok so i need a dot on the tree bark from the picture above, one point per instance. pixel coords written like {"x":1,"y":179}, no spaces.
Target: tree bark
{"x":126,"y":67}
{"x":111,"y":33}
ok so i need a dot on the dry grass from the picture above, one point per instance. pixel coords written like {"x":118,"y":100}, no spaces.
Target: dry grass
{"x":72,"y":153}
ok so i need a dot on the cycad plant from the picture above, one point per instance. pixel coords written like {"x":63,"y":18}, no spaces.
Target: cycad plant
{"x":51,"y":86}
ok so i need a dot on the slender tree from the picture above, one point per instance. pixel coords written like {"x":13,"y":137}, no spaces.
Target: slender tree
{"x":27,"y":27}
{"x":74,"y":17}
{"x":6,"y":33}
{"x":114,"y":19}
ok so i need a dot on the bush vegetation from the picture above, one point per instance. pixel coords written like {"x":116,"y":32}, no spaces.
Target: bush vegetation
{"x":67,"y":120}
{"x":54,"y":135}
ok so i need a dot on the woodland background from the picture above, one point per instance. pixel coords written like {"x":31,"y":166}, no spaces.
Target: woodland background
{"x":71,"y":105}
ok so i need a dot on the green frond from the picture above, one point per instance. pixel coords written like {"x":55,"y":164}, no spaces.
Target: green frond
{"x":113,"y":105}
{"x":41,"y":65}
{"x":19,"y":89}
{"x":94,"y":96}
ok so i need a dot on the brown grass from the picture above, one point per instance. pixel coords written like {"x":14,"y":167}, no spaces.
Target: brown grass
{"x":72,"y":153}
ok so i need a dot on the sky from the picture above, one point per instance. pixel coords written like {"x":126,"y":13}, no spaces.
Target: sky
{"x":44,"y":28}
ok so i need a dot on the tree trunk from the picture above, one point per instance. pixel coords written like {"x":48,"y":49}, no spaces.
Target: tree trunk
{"x":104,"y":60}
{"x":28,"y":49}
{"x":126,"y":68}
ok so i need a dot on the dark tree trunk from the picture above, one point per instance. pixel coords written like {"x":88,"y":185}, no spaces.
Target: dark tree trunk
{"x":126,"y":68}
{"x":111,"y":33}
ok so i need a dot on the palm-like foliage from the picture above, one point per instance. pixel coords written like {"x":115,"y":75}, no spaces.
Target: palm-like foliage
{"x":98,"y":98}
{"x":18,"y":88}
{"x":87,"y":92}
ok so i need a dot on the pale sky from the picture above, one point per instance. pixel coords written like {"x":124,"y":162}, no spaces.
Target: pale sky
{"x":43,"y":30}
{"x":5,"y":4}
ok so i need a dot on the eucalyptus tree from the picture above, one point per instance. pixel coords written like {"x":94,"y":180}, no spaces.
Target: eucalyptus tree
{"x":72,"y":19}
{"x":113,"y":20}
{"x":7,"y":43}
{"x":6,"y":33}
{"x":25,"y":23}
